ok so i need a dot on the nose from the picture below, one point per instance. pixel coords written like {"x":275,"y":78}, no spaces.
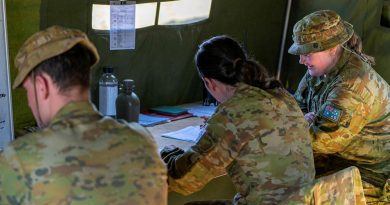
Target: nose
{"x":302,"y":59}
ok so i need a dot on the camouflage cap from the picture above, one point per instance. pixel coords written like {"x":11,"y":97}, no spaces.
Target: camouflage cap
{"x":319,"y":31}
{"x":47,"y":44}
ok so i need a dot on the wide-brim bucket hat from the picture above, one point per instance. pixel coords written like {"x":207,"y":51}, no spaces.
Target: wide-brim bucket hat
{"x":319,"y":31}
{"x":46,"y":44}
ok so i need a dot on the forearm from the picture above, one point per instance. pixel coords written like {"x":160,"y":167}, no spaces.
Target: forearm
{"x":195,"y":179}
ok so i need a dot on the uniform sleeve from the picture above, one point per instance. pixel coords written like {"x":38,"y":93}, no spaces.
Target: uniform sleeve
{"x":13,"y":186}
{"x":338,"y":121}
{"x":207,"y":159}
{"x":300,"y":94}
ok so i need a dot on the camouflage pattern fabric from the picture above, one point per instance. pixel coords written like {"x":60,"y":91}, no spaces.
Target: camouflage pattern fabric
{"x":319,"y":31}
{"x":341,"y":188}
{"x":49,"y":43}
{"x":83,"y":158}
{"x":259,"y":138}
{"x":211,"y":202}
{"x":352,"y":106}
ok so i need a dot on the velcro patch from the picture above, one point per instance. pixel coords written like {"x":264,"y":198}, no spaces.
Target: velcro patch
{"x":331,"y":113}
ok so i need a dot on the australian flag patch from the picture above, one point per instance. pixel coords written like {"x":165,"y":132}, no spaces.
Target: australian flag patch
{"x":331,"y":113}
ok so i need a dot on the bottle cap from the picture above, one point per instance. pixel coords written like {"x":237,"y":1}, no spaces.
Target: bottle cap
{"x":128,"y":83}
{"x":108,"y":69}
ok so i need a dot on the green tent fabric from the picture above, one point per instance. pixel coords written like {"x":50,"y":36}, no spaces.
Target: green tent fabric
{"x":162,"y":63}
{"x":21,"y":23}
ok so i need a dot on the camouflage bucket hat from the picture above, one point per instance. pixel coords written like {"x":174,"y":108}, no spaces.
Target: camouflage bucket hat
{"x":46,"y":44}
{"x":319,"y":31}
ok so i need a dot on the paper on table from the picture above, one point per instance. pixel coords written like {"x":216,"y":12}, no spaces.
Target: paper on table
{"x":191,"y":133}
{"x":149,"y":120}
{"x":200,"y":110}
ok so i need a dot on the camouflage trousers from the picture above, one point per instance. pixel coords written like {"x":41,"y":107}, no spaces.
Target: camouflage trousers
{"x":376,"y":186}
{"x":211,"y":202}
{"x":343,"y":187}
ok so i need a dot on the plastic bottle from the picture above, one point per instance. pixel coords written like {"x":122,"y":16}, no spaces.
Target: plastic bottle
{"x":127,"y":103}
{"x":108,"y":92}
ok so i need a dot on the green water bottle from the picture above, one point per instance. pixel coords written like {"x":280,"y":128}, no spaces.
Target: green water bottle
{"x":127,"y":103}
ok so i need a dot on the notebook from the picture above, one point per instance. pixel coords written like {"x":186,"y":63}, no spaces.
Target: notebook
{"x":150,"y":120}
{"x":169,"y":110}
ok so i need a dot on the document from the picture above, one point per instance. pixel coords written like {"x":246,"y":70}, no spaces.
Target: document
{"x":122,"y":25}
{"x":191,"y":134}
{"x":149,"y":120}
{"x":200,"y":110}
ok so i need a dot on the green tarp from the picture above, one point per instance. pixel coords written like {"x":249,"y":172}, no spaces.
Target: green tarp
{"x":162,"y":63}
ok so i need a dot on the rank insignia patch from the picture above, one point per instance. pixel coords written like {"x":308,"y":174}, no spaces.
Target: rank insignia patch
{"x":331,"y":113}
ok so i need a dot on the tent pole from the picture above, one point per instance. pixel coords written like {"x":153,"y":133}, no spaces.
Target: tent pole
{"x":287,"y":18}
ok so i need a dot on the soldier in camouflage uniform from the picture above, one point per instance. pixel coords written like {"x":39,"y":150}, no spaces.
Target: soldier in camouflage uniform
{"x":345,"y":101}
{"x":257,"y":136}
{"x":79,"y":157}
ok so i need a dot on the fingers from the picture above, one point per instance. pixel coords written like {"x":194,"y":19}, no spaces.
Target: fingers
{"x":170,"y":151}
{"x":310,"y":117}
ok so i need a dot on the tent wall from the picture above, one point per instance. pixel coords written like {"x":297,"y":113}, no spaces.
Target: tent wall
{"x":23,"y":20}
{"x":162,"y":63}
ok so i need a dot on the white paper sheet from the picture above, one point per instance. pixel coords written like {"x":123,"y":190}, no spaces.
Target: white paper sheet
{"x":200,"y":110}
{"x":191,"y":134}
{"x":122,"y":25}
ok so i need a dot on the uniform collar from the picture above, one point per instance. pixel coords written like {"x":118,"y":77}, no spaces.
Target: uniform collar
{"x":241,"y":86}
{"x":74,"y":109}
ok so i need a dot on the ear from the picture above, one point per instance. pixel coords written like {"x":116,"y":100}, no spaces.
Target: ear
{"x":43,"y":87}
{"x":210,"y":83}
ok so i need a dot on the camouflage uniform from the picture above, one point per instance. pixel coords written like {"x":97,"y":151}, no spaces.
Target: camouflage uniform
{"x":80,"y":157}
{"x":352,"y":106}
{"x":83,"y":158}
{"x":343,"y":187}
{"x":259,"y":138}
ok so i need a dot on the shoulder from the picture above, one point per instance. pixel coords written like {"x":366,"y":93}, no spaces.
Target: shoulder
{"x":29,"y":141}
{"x":25,"y":148}
{"x":255,"y":103}
{"x":244,"y":99}
{"x":359,"y":78}
{"x":133,"y":132}
{"x":354,"y":69}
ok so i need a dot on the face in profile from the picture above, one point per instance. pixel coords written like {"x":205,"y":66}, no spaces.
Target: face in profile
{"x":318,"y":63}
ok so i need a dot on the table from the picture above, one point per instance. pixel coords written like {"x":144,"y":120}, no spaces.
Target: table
{"x":218,"y":188}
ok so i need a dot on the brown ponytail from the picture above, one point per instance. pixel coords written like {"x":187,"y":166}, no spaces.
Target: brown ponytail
{"x":223,"y":59}
{"x":355,"y":44}
{"x":253,"y":73}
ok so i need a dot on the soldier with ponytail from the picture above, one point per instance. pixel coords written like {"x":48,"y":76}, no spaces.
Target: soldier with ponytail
{"x":257,"y":135}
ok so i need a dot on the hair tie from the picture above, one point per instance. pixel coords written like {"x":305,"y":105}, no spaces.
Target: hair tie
{"x":235,"y":62}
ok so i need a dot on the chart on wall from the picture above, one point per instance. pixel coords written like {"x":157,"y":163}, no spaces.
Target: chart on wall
{"x":6,"y":122}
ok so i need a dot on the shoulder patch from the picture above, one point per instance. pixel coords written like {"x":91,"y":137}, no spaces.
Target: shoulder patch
{"x":331,"y":113}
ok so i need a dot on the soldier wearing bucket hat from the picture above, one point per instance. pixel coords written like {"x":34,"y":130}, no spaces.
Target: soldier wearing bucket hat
{"x":345,"y":101}
{"x":78,"y":156}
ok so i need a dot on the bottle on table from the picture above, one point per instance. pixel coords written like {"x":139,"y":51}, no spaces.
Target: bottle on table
{"x":108,"y":92}
{"x":127,"y":103}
